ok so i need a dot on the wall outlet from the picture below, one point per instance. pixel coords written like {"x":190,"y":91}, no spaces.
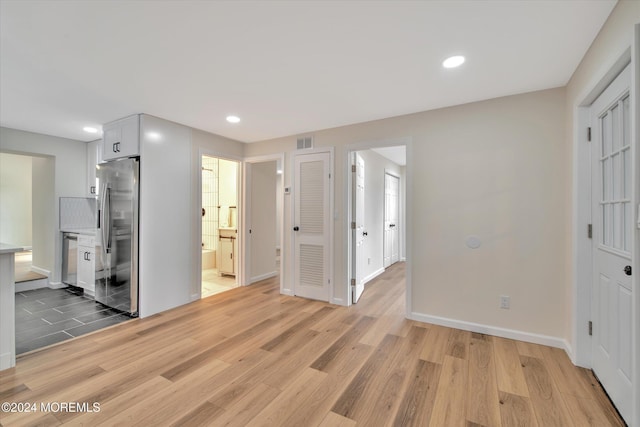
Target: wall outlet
{"x":505,"y":302}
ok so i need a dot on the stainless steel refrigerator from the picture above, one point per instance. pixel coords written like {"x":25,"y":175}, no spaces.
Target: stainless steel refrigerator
{"x":117,"y":234}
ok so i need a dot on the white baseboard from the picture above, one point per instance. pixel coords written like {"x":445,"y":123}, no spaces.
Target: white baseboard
{"x":373,"y":275}
{"x":403,"y":259}
{"x":263,"y":277}
{"x":288,"y":292}
{"x":493,"y":330}
{"x":338,"y":301}
{"x":41,"y":271}
{"x":31,"y":285}
{"x":57,"y":285}
{"x":7,"y":360}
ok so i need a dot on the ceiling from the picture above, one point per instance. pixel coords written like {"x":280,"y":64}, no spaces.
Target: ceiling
{"x":397,"y":154}
{"x":283,"y":67}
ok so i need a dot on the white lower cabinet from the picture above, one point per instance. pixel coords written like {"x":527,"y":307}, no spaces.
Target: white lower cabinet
{"x":226,"y":251}
{"x":87,"y":264}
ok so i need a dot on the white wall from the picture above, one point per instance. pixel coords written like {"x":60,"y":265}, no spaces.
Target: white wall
{"x":495,"y":169}
{"x":263,"y":220}
{"x":228,"y":183}
{"x":165,"y":200}
{"x":375,"y":166}
{"x":15,"y":199}
{"x":67,"y":176}
{"x":44,"y":197}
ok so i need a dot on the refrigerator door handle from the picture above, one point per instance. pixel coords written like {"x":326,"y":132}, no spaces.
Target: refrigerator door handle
{"x":105,"y":219}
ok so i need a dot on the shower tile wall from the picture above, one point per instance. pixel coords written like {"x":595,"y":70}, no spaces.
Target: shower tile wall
{"x":210,"y":202}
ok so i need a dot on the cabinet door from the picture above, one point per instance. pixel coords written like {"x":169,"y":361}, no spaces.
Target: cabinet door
{"x":94,"y":157}
{"x":226,"y":257}
{"x":121,"y":138}
{"x":86,"y":268}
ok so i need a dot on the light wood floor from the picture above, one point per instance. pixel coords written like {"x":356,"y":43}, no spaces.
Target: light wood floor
{"x":252,"y":357}
{"x":22,"y":270}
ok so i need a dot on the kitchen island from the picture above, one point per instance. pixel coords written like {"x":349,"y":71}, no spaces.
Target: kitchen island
{"x":7,"y":305}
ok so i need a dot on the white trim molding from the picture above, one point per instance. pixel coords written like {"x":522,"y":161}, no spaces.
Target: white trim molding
{"x":495,"y":331}
{"x":262,"y":277}
{"x":373,"y":275}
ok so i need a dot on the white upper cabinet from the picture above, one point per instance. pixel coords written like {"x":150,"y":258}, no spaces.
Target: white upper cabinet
{"x":121,"y":138}
{"x":94,"y":157}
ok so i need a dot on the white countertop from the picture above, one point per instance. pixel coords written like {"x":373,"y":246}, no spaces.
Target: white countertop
{"x":6,"y":248}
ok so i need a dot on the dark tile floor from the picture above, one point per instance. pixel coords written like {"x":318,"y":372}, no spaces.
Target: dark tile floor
{"x":46,"y":316}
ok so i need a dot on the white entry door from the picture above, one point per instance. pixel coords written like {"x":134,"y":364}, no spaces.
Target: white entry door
{"x":312,"y":213}
{"x":612,"y":217}
{"x":391,"y":217}
{"x":359,"y":231}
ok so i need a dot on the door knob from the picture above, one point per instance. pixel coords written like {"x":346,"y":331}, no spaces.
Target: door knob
{"x":364,"y":233}
{"x":296,"y":228}
{"x":627,"y":270}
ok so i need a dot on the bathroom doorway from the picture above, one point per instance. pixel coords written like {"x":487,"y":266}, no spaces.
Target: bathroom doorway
{"x":220,"y":263}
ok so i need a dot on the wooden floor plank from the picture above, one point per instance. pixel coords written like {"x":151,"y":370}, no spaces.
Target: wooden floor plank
{"x":587,"y":412}
{"x":245,"y":409}
{"x":458,"y":344}
{"x":566,"y":376}
{"x":482,"y":391}
{"x":435,"y":346}
{"x":516,"y":411}
{"x":247,"y":357}
{"x":419,"y":397}
{"x":179,"y":399}
{"x":547,"y":402}
{"x":334,"y":420}
{"x":280,"y":408}
{"x":450,"y":405}
{"x":351,"y":402}
{"x":389,"y":387}
{"x":311,"y":411}
{"x":508,"y":368}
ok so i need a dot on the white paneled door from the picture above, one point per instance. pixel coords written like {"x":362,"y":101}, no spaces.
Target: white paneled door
{"x":612,"y":217}
{"x":312,"y":213}
{"x":391,"y":219}
{"x":358,"y":229}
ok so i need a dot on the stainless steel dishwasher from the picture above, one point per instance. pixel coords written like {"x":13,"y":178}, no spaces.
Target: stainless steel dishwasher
{"x":70,"y":258}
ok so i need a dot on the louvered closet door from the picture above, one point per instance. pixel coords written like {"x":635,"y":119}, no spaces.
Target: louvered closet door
{"x":311,"y":225}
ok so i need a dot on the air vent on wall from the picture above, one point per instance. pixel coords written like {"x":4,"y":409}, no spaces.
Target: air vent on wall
{"x":305,"y":142}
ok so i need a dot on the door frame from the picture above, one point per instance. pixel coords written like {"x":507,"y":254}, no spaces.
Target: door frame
{"x":357,"y":254}
{"x":246,"y":196}
{"x":400,"y":240}
{"x":196,"y":294}
{"x":579,"y":349}
{"x":348,"y":246}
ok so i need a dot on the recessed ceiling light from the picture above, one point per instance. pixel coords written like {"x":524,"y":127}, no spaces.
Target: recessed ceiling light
{"x":90,"y":129}
{"x":233,"y":119}
{"x":453,"y":61}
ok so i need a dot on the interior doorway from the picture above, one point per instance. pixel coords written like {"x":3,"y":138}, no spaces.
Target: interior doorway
{"x":220,"y":254}
{"x":376,"y":212}
{"x":263,"y":215}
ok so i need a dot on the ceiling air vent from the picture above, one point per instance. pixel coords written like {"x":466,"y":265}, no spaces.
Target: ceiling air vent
{"x":305,"y":142}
